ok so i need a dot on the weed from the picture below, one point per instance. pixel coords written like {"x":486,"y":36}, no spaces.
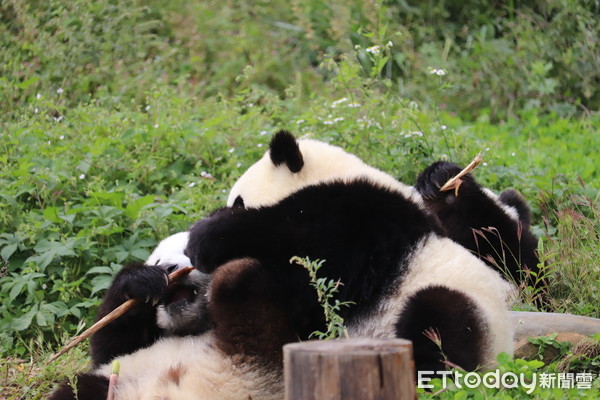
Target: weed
{"x":326,"y":290}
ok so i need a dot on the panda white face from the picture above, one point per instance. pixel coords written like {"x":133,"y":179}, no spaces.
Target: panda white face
{"x":183,"y":310}
{"x":291,"y":165}
{"x":169,"y":253}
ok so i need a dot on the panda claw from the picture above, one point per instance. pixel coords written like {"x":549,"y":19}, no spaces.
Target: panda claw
{"x":155,"y":302}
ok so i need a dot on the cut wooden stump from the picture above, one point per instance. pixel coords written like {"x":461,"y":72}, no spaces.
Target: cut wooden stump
{"x":354,"y":369}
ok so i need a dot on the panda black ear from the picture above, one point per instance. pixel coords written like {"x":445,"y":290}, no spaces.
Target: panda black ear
{"x":284,"y":149}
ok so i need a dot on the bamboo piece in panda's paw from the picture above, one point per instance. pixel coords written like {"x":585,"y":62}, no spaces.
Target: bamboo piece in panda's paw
{"x":114,"y":314}
{"x":455,"y":182}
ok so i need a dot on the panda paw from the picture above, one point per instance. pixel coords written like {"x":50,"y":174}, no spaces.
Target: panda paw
{"x":147,"y":283}
{"x":435,"y":176}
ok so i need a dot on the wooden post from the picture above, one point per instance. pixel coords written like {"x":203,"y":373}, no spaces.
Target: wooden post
{"x":354,"y":369}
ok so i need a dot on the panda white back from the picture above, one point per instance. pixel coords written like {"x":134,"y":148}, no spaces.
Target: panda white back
{"x":266,"y":182}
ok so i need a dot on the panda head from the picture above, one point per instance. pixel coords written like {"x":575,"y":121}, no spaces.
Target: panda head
{"x":183,"y":310}
{"x":290,"y":165}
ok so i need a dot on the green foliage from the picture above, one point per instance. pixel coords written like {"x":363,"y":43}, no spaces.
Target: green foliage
{"x":326,"y":291}
{"x":499,"y":59}
{"x":537,"y":378}
{"x":543,"y":342}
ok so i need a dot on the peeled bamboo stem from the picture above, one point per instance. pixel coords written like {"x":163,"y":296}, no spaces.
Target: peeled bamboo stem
{"x":455,"y":182}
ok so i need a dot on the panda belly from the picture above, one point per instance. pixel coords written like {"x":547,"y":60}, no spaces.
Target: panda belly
{"x":192,"y":368}
{"x":438,"y":261}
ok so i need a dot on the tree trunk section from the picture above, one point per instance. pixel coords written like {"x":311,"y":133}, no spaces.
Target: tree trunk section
{"x":355,"y":369}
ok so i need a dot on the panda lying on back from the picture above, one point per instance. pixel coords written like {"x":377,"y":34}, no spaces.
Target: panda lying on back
{"x":309,"y":199}
{"x":172,"y":350}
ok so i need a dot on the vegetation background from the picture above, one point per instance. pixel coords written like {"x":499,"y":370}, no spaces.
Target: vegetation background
{"x":122,"y":122}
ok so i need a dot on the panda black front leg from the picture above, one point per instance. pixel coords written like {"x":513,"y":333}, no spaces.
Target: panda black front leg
{"x":231,"y":233}
{"x":137,"y":328}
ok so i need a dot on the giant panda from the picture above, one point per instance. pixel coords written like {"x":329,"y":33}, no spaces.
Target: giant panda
{"x":402,"y":274}
{"x":168,"y":346}
{"x":494,"y":227}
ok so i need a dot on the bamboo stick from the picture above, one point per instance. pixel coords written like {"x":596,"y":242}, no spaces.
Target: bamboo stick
{"x":454,"y":183}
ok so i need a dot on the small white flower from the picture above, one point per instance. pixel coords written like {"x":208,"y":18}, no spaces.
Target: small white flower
{"x":231,"y":150}
{"x":259,"y":145}
{"x":327,"y":122}
{"x":38,"y":96}
{"x":238,"y":164}
{"x":436,"y":71}
{"x":444,"y":127}
{"x":49,"y":142}
{"x":353,"y":105}
{"x":338,"y":102}
{"x":300,"y":121}
{"x":390,"y":44}
{"x":147,"y":107}
{"x":155,"y":126}
{"x":338,"y":119}
{"x":82,"y":176}
{"x":62,"y":137}
{"x":513,"y":154}
{"x":444,"y":157}
{"x":487,"y":149}
{"x":44,"y":286}
{"x":373,"y":49}
{"x":413,"y":134}
{"x":60,"y":90}
{"x":35,"y":110}
{"x":192,"y":184}
{"x":250,"y":104}
{"x":485,"y":164}
{"x":263,"y":133}
{"x":59,"y":118}
{"x":205,"y":174}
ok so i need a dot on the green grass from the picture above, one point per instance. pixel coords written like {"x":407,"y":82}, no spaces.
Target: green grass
{"x":123,"y":122}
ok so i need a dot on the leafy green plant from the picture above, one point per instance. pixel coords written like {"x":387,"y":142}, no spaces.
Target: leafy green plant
{"x":326,"y":290}
{"x":543,"y":342}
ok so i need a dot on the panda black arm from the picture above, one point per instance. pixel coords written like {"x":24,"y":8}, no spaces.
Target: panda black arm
{"x":137,"y":328}
{"x":228,"y":234}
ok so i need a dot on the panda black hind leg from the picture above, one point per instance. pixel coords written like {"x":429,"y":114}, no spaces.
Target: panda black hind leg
{"x":444,"y":325}
{"x":249,"y":312}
